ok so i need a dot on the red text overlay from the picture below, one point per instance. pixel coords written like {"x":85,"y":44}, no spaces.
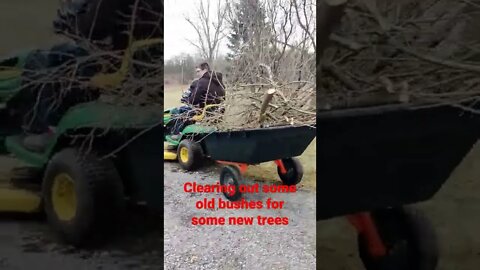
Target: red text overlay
{"x":242,"y":204}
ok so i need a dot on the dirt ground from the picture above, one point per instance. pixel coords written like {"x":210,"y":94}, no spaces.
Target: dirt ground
{"x":230,"y":247}
{"x":27,"y":242}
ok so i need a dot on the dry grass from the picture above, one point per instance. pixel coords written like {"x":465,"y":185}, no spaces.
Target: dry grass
{"x":266,"y":171}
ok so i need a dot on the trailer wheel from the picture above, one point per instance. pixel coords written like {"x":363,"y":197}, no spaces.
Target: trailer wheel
{"x":190,"y":155}
{"x":409,"y":238}
{"x":294,"y":171}
{"x":231,"y":176}
{"x":83,"y":196}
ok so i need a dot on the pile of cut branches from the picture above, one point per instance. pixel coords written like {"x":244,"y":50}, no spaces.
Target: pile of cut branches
{"x":265,"y":105}
{"x":271,"y":75}
{"x":410,"y":51}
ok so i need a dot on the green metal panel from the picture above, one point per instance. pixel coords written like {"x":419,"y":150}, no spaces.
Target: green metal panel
{"x":88,"y":115}
{"x":197,"y":129}
{"x":107,"y":116}
{"x":14,"y":146}
{"x":171,"y":141}
{"x":103,"y":115}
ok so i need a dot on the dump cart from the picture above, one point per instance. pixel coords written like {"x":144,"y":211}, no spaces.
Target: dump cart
{"x":374,"y":161}
{"x":238,"y":149}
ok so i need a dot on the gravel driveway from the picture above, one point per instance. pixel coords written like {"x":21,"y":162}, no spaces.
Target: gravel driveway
{"x":27,"y":242}
{"x":236,"y":246}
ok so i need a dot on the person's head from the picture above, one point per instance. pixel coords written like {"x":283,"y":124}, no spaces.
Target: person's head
{"x":202,"y":69}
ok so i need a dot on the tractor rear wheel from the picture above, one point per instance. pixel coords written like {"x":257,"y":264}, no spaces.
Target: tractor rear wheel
{"x":83,"y":196}
{"x":190,"y":155}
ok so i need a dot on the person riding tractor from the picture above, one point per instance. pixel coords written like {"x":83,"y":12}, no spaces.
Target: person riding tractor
{"x":56,"y":101}
{"x":208,"y":89}
{"x":84,"y":22}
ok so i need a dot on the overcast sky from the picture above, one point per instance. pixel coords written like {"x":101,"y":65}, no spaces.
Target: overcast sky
{"x":177,"y":29}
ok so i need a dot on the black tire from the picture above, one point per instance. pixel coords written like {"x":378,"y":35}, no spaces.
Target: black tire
{"x":99,"y":197}
{"x":409,"y":238}
{"x":230,"y":175}
{"x":194,"y":155}
{"x":294,"y":171}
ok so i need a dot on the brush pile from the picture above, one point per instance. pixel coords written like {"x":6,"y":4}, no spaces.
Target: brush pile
{"x":117,"y":57}
{"x":410,"y":51}
{"x":270,"y":80}
{"x":275,"y":104}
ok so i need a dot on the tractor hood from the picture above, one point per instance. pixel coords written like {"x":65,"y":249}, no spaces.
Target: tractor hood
{"x":109,"y":116}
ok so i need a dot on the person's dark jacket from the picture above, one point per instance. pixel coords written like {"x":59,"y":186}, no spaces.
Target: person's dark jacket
{"x":186,"y":95}
{"x":209,"y":90}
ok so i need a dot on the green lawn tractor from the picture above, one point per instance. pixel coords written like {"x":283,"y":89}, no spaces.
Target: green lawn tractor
{"x":186,"y":148}
{"x":99,"y":157}
{"x":235,"y":150}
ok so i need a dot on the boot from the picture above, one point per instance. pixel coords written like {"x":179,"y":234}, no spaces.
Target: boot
{"x":38,"y":142}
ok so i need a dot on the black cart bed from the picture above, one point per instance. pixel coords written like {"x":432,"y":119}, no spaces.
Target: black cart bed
{"x":388,"y":156}
{"x":253,"y":146}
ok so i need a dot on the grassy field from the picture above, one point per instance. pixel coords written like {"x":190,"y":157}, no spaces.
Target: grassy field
{"x":262,"y":171}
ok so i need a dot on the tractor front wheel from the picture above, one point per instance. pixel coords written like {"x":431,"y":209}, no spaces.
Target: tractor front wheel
{"x":83,"y":196}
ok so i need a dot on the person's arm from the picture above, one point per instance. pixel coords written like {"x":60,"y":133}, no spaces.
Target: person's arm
{"x":198,"y":93}
{"x":186,"y":95}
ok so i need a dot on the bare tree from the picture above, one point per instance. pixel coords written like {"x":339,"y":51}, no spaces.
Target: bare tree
{"x":210,"y":28}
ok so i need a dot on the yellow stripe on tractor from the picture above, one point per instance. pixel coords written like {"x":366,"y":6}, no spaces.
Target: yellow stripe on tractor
{"x":16,"y":200}
{"x":169,"y":155}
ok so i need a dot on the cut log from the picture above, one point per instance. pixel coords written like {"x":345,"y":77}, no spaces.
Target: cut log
{"x":268,"y":97}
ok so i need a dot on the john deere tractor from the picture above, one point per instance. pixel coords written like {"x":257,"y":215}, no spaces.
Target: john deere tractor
{"x":99,"y":155}
{"x":186,"y":147}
